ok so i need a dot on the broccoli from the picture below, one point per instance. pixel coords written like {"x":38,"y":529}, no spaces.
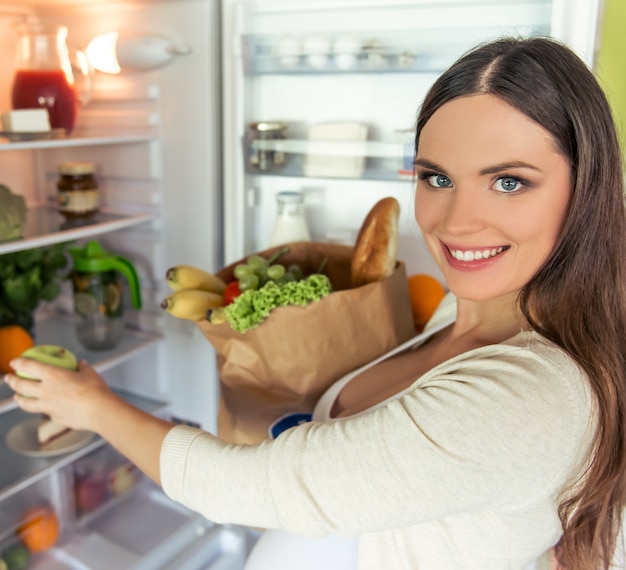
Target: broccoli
{"x":12,"y":214}
{"x":253,"y":306}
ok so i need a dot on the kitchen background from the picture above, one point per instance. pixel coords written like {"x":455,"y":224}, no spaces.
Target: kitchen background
{"x":184,"y":178}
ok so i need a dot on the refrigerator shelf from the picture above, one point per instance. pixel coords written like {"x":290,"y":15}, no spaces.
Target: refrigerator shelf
{"x":20,"y":471}
{"x":46,"y":226}
{"x":50,"y":330}
{"x":75,"y":142}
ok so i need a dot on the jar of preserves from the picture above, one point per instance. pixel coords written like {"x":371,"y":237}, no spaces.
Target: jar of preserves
{"x":77,"y":189}
{"x":266,"y":159}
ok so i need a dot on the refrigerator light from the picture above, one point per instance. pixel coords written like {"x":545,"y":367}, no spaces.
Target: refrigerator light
{"x":114,"y":52}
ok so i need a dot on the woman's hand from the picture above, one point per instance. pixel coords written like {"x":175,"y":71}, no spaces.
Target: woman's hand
{"x":82,"y":400}
{"x":68,"y":397}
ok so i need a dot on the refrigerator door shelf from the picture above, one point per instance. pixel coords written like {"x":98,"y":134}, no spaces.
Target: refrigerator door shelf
{"x":379,"y":160}
{"x":425,"y":50}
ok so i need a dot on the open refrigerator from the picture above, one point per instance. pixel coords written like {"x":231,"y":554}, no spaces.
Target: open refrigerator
{"x":180,"y":183}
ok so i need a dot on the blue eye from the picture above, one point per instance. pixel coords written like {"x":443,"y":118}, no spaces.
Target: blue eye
{"x":439,"y":181}
{"x":507,"y":184}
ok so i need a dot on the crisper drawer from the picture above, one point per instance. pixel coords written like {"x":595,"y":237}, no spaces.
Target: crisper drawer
{"x":109,"y":516}
{"x":147,"y":531}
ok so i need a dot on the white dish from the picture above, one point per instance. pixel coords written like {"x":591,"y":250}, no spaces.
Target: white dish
{"x":22,"y":137}
{"x":22,"y":438}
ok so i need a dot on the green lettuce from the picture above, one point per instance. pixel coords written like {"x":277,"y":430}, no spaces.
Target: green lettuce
{"x":252,"y":307}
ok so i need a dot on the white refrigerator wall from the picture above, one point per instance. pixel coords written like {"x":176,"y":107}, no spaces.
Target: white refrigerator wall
{"x":386,"y":102}
{"x":177,"y":176}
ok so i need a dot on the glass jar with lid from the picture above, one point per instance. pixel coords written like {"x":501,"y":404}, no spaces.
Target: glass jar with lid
{"x":266,"y":159}
{"x":77,"y":189}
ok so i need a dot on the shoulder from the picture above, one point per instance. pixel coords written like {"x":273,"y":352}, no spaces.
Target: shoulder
{"x":527,"y":369}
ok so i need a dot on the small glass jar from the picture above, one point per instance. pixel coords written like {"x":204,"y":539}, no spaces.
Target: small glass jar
{"x":266,"y":160}
{"x":77,"y":189}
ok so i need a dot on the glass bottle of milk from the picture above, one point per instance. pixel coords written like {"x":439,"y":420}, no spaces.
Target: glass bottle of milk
{"x":290,"y":224}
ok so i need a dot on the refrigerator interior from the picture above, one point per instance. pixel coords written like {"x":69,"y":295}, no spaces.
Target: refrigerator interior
{"x":286,"y":61}
{"x":172,"y":158}
{"x":154,"y":137}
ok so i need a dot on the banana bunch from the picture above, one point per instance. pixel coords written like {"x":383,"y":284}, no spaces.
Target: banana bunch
{"x":196,"y":293}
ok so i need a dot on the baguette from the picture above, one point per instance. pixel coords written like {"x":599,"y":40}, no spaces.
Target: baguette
{"x":376,"y":248}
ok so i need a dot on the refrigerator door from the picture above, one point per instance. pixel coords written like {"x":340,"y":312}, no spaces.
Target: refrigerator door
{"x":331,"y":67}
{"x":577,"y":23}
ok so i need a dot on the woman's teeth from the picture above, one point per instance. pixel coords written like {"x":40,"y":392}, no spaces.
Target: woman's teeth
{"x":475,"y":255}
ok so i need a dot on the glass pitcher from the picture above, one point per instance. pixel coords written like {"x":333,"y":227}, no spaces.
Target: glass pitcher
{"x":98,"y":295}
{"x":45,"y":74}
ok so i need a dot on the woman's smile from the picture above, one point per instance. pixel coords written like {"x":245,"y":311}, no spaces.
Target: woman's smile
{"x":472,"y":257}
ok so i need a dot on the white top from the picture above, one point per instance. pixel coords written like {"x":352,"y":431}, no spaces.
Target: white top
{"x":280,"y":550}
{"x":462,"y":471}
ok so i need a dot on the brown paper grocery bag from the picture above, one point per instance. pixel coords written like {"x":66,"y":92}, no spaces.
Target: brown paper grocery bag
{"x":272,"y":376}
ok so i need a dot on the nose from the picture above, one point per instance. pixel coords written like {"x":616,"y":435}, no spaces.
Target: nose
{"x":464,"y":213}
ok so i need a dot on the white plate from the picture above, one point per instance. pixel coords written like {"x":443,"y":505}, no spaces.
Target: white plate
{"x":22,"y":438}
{"x":17,"y":137}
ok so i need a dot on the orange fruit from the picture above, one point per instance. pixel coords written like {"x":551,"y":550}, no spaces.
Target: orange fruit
{"x":38,"y":529}
{"x":13,"y":341}
{"x":425,"y":293}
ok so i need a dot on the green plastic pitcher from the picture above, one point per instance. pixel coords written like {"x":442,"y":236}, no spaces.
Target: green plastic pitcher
{"x":97,"y":279}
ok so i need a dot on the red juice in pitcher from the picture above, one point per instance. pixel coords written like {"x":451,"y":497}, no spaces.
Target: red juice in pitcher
{"x":48,"y":89}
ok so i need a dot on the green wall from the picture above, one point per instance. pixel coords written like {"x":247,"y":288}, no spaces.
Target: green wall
{"x":610,"y":65}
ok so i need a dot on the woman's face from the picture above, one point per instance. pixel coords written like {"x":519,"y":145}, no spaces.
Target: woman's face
{"x":491,"y":196}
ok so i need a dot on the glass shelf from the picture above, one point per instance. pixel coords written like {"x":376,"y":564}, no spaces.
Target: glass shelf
{"x":46,"y":226}
{"x":19,"y":471}
{"x":50,"y":330}
{"x":6,"y":145}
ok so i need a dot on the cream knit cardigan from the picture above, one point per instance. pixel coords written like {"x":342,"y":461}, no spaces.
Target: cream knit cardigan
{"x":464,"y":471}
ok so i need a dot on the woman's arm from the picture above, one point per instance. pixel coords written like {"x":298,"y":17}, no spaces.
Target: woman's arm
{"x":83,"y":400}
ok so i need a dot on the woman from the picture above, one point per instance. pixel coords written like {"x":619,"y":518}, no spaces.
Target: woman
{"x":499,"y":431}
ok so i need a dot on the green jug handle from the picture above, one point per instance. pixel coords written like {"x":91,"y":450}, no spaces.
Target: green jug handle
{"x":127,"y":269}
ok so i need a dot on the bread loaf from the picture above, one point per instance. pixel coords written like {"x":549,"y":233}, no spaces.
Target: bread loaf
{"x":376,"y":248}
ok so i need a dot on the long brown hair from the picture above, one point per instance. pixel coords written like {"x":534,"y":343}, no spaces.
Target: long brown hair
{"x":577,"y":299}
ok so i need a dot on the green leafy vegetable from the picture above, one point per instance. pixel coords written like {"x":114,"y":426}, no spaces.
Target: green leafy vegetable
{"x":252,"y":307}
{"x":13,"y":214}
{"x":27,"y":278}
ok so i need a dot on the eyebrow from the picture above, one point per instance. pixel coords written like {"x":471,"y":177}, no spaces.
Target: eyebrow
{"x":489,"y":170}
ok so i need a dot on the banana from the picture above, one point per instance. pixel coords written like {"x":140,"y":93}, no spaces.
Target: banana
{"x":191,"y":304}
{"x":217,"y":316}
{"x":190,"y":277}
